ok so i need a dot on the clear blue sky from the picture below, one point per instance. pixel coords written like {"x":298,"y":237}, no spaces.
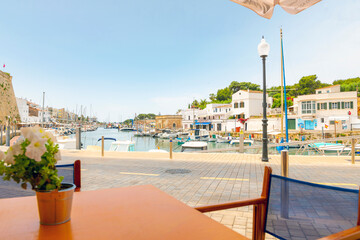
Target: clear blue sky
{"x":127,"y":57}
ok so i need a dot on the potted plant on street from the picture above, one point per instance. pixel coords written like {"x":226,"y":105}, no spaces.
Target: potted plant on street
{"x":31,"y":160}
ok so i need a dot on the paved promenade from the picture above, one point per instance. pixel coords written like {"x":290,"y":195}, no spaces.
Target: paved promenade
{"x":200,"y":179}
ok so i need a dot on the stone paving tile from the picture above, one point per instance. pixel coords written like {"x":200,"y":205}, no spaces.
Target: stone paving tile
{"x":226,"y":174}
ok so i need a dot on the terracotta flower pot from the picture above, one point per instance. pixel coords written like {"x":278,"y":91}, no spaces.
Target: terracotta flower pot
{"x":55,"y":206}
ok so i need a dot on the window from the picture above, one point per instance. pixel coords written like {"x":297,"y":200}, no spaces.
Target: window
{"x":236,"y":105}
{"x":308,"y":107}
{"x":323,"y":106}
{"x":189,"y":117}
{"x":328,"y":91}
{"x":322,"y":120}
{"x":347,"y":105}
{"x":334,"y":105}
{"x":242,"y":104}
{"x":319,"y":91}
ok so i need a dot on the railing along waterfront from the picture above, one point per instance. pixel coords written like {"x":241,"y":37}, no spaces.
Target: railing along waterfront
{"x":303,"y":145}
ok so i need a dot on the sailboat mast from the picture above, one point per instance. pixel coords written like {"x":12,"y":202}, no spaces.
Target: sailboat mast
{"x":283,"y":72}
{"x":43,"y":110}
{"x":282,"y":89}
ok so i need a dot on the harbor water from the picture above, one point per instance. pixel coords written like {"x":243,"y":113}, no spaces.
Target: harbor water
{"x":144,"y":144}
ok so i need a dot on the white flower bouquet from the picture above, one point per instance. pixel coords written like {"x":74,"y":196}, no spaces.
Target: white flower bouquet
{"x":32,"y":160}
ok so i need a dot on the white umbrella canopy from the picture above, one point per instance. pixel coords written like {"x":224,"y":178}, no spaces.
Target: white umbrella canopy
{"x":265,"y":8}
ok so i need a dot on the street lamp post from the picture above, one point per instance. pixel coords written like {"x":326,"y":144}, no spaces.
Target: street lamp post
{"x":263,"y":50}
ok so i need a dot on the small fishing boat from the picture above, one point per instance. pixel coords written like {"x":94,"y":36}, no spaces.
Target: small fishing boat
{"x":127,"y":129}
{"x":224,"y":139}
{"x":213,"y":138}
{"x":168,"y":135}
{"x":247,"y":142}
{"x":330,"y":147}
{"x":193,"y":146}
{"x":122,"y":146}
{"x":199,"y":135}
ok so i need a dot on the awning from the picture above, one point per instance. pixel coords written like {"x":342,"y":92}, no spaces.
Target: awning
{"x":202,"y":123}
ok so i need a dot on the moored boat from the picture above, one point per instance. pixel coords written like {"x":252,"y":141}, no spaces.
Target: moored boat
{"x":193,"y":146}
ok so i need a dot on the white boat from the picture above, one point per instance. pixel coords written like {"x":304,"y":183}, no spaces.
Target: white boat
{"x":158,"y":151}
{"x":199,"y":135}
{"x":66,"y":143}
{"x":122,"y":146}
{"x":224,"y":139}
{"x":147,"y":134}
{"x":168,"y":135}
{"x":193,"y":146}
{"x":138,"y":134}
{"x":213,"y":138}
{"x":246,"y":142}
{"x":127,"y":129}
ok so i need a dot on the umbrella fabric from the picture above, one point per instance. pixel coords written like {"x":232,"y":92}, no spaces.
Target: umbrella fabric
{"x":265,"y":8}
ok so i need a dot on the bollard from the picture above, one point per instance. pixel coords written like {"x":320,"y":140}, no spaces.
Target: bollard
{"x":8,"y":136}
{"x":284,"y":163}
{"x":171,"y":148}
{"x":102,"y":146}
{"x":78,"y":138}
{"x":353,"y":150}
{"x":241,"y":142}
{"x":284,"y":211}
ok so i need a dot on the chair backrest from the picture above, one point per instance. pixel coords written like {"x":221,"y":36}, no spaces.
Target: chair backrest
{"x":304,"y":210}
{"x":71,"y":173}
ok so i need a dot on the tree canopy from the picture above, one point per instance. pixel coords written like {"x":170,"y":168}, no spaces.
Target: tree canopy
{"x":306,"y":85}
{"x":144,"y":116}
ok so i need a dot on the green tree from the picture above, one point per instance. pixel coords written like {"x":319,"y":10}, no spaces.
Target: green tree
{"x":236,"y":86}
{"x":308,"y":84}
{"x":195,"y":104}
{"x":224,"y":94}
{"x":346,"y":85}
{"x":203,"y":104}
{"x":128,"y":122}
{"x":212,"y":97}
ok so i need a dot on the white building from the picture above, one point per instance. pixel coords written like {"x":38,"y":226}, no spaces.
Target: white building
{"x":30,"y":113}
{"x":23,"y":109}
{"x":327,"y":107}
{"x":247,"y":103}
{"x":189,"y":117}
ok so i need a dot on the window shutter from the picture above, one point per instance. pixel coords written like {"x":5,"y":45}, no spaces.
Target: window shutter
{"x":326,"y":105}
{"x":318,"y":106}
{"x":351,"y":105}
{"x":330,"y":105}
{"x":342,"y":105}
{"x":338,"y":105}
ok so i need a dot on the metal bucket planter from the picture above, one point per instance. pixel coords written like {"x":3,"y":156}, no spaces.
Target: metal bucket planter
{"x":55,"y":206}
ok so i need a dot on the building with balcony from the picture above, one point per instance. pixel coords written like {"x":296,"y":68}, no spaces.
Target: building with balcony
{"x":327,"y":107}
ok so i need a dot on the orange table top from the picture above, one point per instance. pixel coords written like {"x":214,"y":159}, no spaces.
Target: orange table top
{"x":137,"y":212}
